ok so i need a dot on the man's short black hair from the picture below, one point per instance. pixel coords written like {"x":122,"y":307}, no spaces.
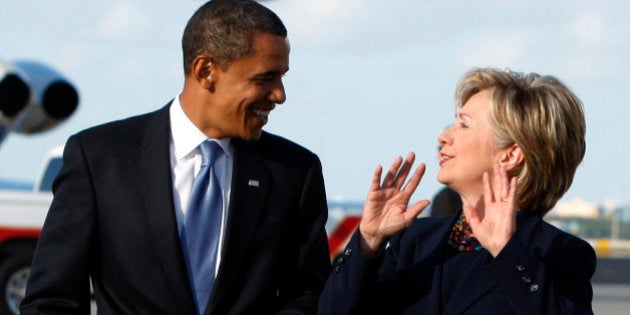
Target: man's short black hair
{"x":224,"y":30}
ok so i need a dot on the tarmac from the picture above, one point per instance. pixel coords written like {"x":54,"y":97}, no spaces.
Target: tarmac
{"x":611,"y":287}
{"x":608,"y":299}
{"x":611,"y":299}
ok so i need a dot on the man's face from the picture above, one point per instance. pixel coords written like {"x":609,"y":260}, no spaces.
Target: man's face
{"x":248,"y":90}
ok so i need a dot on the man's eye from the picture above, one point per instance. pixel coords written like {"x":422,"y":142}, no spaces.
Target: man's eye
{"x":463,"y":125}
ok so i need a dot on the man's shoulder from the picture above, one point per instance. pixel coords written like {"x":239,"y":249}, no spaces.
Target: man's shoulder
{"x":278,"y":148}
{"x":276,"y":141}
{"x":126,"y":127}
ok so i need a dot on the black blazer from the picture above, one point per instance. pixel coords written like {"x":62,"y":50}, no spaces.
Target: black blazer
{"x":112,"y":219}
{"x":542,"y":270}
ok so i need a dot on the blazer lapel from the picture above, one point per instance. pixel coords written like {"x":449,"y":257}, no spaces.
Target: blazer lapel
{"x":250,"y":184}
{"x":526,"y":222}
{"x":476,"y":282}
{"x":474,"y":285}
{"x":422,"y":294}
{"x":433,"y":255}
{"x":155,"y":184}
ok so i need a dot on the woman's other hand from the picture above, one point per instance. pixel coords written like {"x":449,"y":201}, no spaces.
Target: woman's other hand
{"x":493,"y":221}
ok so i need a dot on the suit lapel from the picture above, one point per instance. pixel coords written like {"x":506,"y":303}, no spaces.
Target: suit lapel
{"x":527,"y":222}
{"x":155,"y":185}
{"x":476,"y":282}
{"x":432,"y":256}
{"x":250,"y":184}
{"x":416,"y":279}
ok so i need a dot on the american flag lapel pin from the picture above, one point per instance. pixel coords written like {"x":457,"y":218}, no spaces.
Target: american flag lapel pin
{"x":253,"y":183}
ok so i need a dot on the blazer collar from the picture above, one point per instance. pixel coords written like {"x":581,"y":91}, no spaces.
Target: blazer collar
{"x":430,"y":236}
{"x":251,"y":181}
{"x":475,"y":281}
{"x":155,"y":184}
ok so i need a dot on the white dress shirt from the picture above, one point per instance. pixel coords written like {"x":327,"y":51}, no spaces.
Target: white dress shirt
{"x":186,"y":162}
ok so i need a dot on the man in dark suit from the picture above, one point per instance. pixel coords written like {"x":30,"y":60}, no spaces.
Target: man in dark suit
{"x":121,"y":198}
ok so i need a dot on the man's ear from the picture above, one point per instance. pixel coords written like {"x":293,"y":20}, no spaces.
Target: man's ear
{"x":203,"y":68}
{"x":513,"y":157}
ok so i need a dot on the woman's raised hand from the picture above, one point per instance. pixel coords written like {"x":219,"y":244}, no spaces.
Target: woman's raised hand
{"x":493,"y":221}
{"x":385,"y":211}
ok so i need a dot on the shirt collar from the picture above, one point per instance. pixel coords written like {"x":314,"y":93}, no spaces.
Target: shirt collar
{"x":186,"y":136}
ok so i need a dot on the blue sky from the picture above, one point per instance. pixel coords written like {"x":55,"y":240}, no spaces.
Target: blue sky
{"x":369,"y":79}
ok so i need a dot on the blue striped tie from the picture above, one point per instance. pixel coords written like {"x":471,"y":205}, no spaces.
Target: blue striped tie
{"x":202,"y":226}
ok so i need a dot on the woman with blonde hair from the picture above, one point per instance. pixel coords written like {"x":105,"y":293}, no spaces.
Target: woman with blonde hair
{"x":510,"y":155}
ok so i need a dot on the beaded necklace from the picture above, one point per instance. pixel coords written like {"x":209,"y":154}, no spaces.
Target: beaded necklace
{"x":461,"y":237}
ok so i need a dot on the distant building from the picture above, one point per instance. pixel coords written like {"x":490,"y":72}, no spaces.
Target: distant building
{"x":577,"y":208}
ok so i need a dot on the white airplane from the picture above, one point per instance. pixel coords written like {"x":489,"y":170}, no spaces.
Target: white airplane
{"x":33,"y":98}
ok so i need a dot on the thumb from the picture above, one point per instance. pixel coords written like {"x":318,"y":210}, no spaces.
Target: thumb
{"x":472,"y":216}
{"x":415,"y":210}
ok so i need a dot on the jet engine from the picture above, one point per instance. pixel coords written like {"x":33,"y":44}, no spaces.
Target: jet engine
{"x":14,"y":96}
{"x":33,"y":98}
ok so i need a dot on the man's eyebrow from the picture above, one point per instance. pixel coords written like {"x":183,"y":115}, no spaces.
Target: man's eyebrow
{"x":270,"y":73}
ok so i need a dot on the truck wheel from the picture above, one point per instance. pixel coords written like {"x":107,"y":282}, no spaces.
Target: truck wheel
{"x":14,"y":273}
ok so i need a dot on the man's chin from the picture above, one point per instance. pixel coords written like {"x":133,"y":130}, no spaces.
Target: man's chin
{"x":252,"y":136}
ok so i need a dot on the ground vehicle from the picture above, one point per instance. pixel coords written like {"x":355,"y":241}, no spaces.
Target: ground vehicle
{"x":343,"y":219}
{"x":23,"y":210}
{"x":33,"y":98}
{"x":22,"y":214}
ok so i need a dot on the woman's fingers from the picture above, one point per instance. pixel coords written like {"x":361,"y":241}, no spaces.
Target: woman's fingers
{"x":504,"y":186}
{"x":396,"y":175}
{"x":497,"y":188}
{"x":512,"y":192}
{"x":390,"y":177}
{"x":415,"y":179}
{"x":415,"y":210}
{"x":403,"y":171}
{"x":376,"y":178}
{"x":488,"y":195}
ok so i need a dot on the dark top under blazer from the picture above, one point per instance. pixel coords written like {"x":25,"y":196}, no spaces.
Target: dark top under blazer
{"x":541,"y":270}
{"x":112,"y":218}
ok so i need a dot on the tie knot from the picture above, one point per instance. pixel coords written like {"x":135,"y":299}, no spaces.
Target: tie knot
{"x":210,"y":150}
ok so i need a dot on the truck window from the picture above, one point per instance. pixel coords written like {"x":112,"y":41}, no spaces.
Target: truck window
{"x":50,"y":174}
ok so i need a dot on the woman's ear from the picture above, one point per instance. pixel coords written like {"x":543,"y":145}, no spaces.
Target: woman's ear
{"x":203,"y":71}
{"x":513,"y":157}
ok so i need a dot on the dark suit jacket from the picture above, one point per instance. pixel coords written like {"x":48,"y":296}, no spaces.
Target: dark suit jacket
{"x":112,"y":218}
{"x":542,"y":270}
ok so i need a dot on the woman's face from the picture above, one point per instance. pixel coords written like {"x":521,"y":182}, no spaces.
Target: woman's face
{"x":468,"y":148}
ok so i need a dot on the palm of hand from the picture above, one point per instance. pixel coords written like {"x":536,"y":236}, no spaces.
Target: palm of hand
{"x":385,"y":211}
{"x":493,"y":219}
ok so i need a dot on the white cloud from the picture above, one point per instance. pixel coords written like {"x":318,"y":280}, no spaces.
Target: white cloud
{"x":598,"y":30}
{"x":498,"y":48}
{"x":322,"y":21}
{"x":596,"y":44}
{"x":73,"y":57}
{"x":124,"y":21}
{"x":589,"y":29}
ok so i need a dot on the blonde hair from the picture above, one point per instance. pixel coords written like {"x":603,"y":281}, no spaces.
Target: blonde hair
{"x":544,"y":118}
